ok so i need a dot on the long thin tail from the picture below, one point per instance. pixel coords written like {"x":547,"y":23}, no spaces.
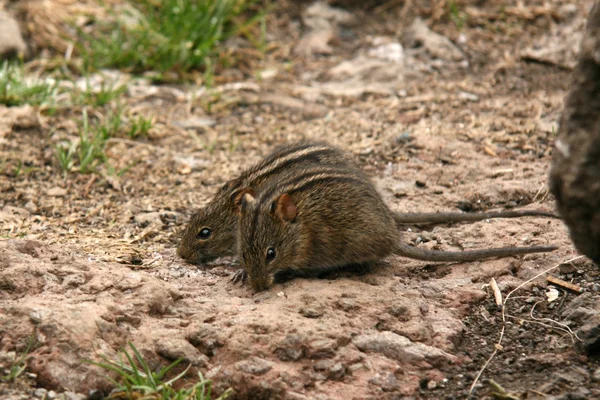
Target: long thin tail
{"x":472,"y":255}
{"x":452,"y":217}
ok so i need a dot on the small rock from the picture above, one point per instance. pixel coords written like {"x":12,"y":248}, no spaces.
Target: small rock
{"x":468,"y":96}
{"x":73,"y":396}
{"x":195,"y":123}
{"x":590,"y":336}
{"x":596,"y":375}
{"x":11,"y":40}
{"x":567,"y":268}
{"x":40,"y":393}
{"x":268,"y":74}
{"x":56,"y":192}
{"x":254,"y":366}
{"x":31,"y":207}
{"x":172,"y":349}
{"x":432,"y":385}
{"x":337,"y":372}
{"x":205,"y":338}
{"x":73,"y":280}
{"x":400,"y":311}
{"x":185,"y":165}
{"x":310,"y":312}
{"x":319,"y":376}
{"x":437,"y":45}
{"x":291,"y":348}
{"x":393,"y":52}
{"x":356,"y":367}
{"x":157,"y":297}
{"x":156,"y":217}
{"x":346,"y":304}
{"x":401,"y":348}
{"x":321,"y":22}
{"x":321,"y":348}
{"x":420,"y":183}
{"x":323,"y":365}
{"x":387,"y":381}
{"x":51,"y":395}
{"x":95,"y":395}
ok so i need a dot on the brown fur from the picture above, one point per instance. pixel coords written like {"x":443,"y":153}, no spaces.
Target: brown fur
{"x":322,"y":218}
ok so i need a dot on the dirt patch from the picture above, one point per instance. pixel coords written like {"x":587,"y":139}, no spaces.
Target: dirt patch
{"x":89,"y":261}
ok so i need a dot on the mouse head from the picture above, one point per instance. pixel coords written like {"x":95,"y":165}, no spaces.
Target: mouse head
{"x":270,"y":238}
{"x":211,"y":232}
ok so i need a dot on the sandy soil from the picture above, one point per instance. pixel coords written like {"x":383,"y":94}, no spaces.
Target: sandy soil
{"x":88,"y":262}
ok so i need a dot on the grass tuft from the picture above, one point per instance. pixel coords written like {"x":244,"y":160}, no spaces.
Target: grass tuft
{"x":136,"y":379}
{"x":457,"y":16}
{"x":108,"y":92}
{"x":16,"y":90}
{"x":166,"y":36}
{"x":86,"y":154}
{"x":139,"y":126}
{"x":18,"y":365}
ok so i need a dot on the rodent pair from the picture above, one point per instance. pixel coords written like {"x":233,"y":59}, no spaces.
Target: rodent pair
{"x":307,"y":206}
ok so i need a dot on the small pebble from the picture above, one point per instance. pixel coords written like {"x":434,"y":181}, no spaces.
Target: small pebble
{"x":337,"y":372}
{"x":355,"y":367}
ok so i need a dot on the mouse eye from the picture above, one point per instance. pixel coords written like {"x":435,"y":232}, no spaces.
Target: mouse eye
{"x":204,"y":234}
{"x":270,"y":254}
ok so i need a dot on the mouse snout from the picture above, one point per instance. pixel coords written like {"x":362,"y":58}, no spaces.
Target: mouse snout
{"x":260,"y":283}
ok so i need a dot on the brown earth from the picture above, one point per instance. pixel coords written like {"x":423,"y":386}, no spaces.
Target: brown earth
{"x":88,"y":261}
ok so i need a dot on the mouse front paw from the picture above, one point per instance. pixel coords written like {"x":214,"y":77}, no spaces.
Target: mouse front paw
{"x":239,"y":276}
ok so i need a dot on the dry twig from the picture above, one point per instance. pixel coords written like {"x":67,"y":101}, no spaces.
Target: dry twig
{"x":564,"y":284}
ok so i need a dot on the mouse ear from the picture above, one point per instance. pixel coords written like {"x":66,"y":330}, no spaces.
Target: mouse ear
{"x":238,"y":198}
{"x":285,"y":208}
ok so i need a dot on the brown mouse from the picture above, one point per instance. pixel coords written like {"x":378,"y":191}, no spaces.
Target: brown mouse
{"x":211,"y":232}
{"x":321,"y":218}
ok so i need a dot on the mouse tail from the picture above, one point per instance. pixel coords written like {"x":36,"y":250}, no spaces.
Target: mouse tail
{"x":405,"y":250}
{"x":453,"y":217}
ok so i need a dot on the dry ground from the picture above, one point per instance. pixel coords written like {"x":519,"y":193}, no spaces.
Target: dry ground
{"x":88,"y":261}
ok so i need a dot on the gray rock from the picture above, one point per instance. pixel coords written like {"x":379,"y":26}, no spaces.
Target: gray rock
{"x":437,"y":45}
{"x":40,"y":393}
{"x":323,"y":365}
{"x":172,"y":349}
{"x":355,"y":367}
{"x":311,"y":312}
{"x":11,"y":40}
{"x":73,"y":396}
{"x":321,"y":348}
{"x":347,"y":304}
{"x":291,"y":348}
{"x":337,"y":372}
{"x":205,"y":338}
{"x":386,"y":381}
{"x":590,"y":336}
{"x":254,"y":366}
{"x":401,"y":348}
{"x":195,"y":123}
